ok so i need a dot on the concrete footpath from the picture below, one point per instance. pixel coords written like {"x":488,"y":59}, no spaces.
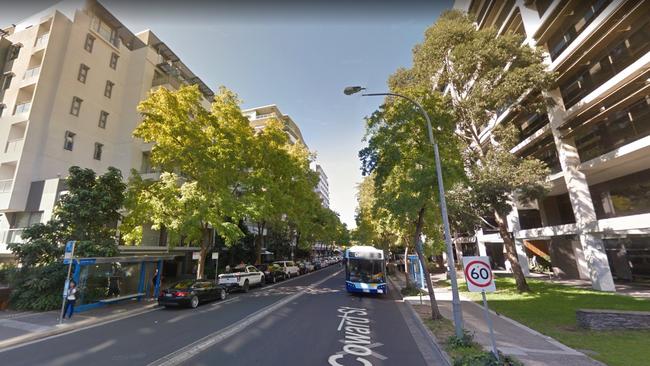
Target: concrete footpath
{"x":21,"y":327}
{"x":513,"y":338}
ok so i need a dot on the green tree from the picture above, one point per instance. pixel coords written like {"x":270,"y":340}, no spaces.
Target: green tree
{"x":485,"y":73}
{"x":205,"y":157}
{"x":401,"y":160}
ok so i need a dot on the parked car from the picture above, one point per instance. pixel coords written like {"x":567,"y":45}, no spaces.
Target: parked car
{"x":272,"y":273}
{"x":191,"y":293}
{"x":309,"y":267}
{"x":289,"y":267}
{"x":242,"y":277}
{"x":317,"y":264}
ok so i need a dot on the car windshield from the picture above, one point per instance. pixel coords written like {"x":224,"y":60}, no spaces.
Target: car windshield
{"x":182,"y":285}
{"x":363,"y":270}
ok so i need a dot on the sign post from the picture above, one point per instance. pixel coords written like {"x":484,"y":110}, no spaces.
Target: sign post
{"x":67,"y":259}
{"x":479,"y":278}
{"x":216,"y":266}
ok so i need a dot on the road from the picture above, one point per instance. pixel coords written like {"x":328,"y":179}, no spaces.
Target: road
{"x":309,"y":320}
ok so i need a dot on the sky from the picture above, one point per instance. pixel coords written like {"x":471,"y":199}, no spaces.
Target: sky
{"x":297,"y":55}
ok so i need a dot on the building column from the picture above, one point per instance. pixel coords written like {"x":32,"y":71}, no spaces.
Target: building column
{"x":593,"y":247}
{"x":480,"y":243}
{"x":514,"y":227}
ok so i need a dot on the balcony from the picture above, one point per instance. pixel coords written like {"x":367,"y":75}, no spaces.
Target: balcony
{"x":32,"y":73}
{"x":12,"y":236}
{"x":23,"y":107}
{"x":266,"y":115}
{"x":168,"y":81}
{"x":14,"y":146}
{"x":41,"y":41}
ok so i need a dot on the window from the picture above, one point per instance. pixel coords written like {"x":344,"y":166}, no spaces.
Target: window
{"x":2,"y":108}
{"x":68,"y":142}
{"x":542,"y":6}
{"x":76,"y":106}
{"x":83,"y":73}
{"x":105,"y":31}
{"x":6,"y":81}
{"x":108,"y":90}
{"x":97,"y":155}
{"x":113,"y":63}
{"x":90,"y":41}
{"x":103,"y":118}
{"x":14,"y":51}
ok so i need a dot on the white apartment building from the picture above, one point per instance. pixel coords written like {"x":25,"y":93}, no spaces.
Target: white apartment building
{"x":323,"y":188}
{"x":595,"y":224}
{"x":71,"y":78}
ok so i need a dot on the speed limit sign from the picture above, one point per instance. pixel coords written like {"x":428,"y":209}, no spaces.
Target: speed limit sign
{"x":478,"y":274}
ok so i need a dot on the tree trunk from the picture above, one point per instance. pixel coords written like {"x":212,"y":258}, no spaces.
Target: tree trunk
{"x":206,"y":243}
{"x":435,"y":312}
{"x":406,"y":266}
{"x":259,"y":243}
{"x":511,"y":253}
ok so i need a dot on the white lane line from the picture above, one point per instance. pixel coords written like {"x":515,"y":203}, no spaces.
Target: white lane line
{"x":184,"y":354}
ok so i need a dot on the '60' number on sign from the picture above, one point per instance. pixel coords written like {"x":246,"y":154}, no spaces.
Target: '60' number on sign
{"x":482,"y":273}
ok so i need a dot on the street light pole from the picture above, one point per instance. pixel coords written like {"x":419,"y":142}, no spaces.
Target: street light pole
{"x":456,"y":309}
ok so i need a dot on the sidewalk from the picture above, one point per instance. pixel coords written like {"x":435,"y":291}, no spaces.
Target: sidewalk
{"x":513,"y":338}
{"x":19,"y":327}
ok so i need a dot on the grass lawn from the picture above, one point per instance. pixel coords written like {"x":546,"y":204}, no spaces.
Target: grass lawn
{"x":551,"y":309}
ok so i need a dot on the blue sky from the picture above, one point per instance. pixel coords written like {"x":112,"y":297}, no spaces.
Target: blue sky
{"x":299,"y":57}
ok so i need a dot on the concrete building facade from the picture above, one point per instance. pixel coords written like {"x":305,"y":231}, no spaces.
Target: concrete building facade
{"x":595,"y":223}
{"x":71,"y":78}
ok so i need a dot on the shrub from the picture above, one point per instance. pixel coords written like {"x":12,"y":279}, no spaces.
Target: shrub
{"x":412,"y":291}
{"x":38,"y":288}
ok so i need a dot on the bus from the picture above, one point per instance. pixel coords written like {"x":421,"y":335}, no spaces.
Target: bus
{"x":365,"y":270}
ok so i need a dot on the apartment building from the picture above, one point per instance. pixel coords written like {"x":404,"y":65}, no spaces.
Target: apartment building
{"x":323,"y":188}
{"x":71,"y":78}
{"x":595,"y":223}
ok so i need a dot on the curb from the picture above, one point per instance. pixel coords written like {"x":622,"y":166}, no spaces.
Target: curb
{"x":423,"y":328}
{"x":32,"y":337}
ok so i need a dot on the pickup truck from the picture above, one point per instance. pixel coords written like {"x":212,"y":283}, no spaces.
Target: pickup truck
{"x":289,"y":268}
{"x":242,"y":277}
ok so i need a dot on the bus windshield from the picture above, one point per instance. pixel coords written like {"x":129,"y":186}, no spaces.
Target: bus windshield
{"x":365,"y":270}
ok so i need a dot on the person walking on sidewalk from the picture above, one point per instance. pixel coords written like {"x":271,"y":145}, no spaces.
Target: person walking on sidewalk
{"x":70,"y":299}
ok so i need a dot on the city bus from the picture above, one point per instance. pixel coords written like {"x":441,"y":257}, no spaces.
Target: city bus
{"x":365,"y":270}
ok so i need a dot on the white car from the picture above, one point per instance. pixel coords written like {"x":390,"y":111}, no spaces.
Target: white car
{"x":242,"y":277}
{"x":289,"y":268}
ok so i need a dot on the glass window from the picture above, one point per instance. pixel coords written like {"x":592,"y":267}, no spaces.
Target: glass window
{"x":364,"y":270}
{"x":183,"y":285}
{"x":76,"y":106}
{"x":113,"y":62}
{"x":83,"y":73}
{"x":628,"y":195}
{"x":6,"y":80}
{"x":90,"y":41}
{"x":108,"y":89}
{"x":97,"y":155}
{"x":542,"y":6}
{"x":14,"y":51}
{"x":68,"y":143}
{"x":103,"y":118}
{"x":2,"y":108}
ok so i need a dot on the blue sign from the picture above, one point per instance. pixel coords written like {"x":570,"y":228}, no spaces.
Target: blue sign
{"x":69,"y":246}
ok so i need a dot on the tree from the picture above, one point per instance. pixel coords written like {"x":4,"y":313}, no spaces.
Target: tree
{"x":205,"y":157}
{"x":484,"y":74}
{"x":401,"y":160}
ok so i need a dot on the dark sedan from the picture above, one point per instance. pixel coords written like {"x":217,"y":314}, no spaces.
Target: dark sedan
{"x":272,"y":273}
{"x":191,"y":293}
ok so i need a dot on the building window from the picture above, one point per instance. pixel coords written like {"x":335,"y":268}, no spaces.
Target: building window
{"x":113,"y":63}
{"x":14,"y":51}
{"x":97,"y":155}
{"x":68,"y":142}
{"x":542,"y":6}
{"x":105,"y":31}
{"x":83,"y":73}
{"x":2,"y":108}
{"x":76,"y":106}
{"x":103,"y":118}
{"x":90,"y":41}
{"x":6,"y":81}
{"x":108,"y":90}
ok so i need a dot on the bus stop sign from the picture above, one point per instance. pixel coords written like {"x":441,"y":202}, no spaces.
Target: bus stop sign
{"x":478,"y":274}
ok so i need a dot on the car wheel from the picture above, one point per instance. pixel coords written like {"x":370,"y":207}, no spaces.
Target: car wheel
{"x":246,"y":286}
{"x":194,"y":302}
{"x":222,"y":294}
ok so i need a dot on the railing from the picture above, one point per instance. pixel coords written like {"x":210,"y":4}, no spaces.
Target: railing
{"x":5,"y":185}
{"x":175,"y":82}
{"x":264,"y":116}
{"x":14,"y":145}
{"x":33,"y":72}
{"x":23,"y":107}
{"x":42,"y":40}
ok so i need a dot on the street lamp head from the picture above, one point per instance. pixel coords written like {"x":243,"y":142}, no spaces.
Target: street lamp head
{"x":353,"y":90}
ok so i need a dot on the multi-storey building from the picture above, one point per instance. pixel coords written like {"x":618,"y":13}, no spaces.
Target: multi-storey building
{"x":71,"y":78}
{"x":260,"y":116}
{"x":323,"y":188}
{"x":595,"y":223}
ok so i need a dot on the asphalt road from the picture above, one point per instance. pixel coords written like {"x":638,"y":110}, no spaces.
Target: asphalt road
{"x":309,"y":320}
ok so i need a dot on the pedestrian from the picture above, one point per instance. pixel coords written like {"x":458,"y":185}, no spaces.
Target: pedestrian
{"x":154,"y":282}
{"x":70,"y":299}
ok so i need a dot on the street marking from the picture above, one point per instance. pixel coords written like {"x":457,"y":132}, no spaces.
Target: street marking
{"x":29,"y":327}
{"x":357,"y":342}
{"x":184,"y":354}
